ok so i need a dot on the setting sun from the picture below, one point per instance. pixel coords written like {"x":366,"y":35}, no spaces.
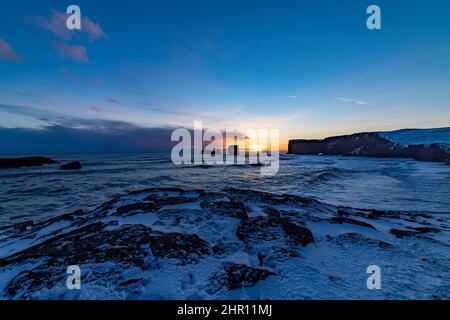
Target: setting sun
{"x":257,"y":147}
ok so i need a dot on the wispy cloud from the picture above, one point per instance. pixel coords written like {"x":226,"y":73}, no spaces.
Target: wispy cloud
{"x":351,"y":100}
{"x":117,"y":102}
{"x":86,"y":135}
{"x":93,"y":29}
{"x":292,"y":97}
{"x":7,"y":53}
{"x":67,"y":73}
{"x":71,"y":52}
{"x":56,"y":24}
{"x":101,"y":110}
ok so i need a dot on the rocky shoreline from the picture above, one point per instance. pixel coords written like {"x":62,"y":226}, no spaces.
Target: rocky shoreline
{"x":170,"y":243}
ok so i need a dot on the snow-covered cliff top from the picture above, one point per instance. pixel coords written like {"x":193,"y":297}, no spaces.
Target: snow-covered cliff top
{"x":418,"y":136}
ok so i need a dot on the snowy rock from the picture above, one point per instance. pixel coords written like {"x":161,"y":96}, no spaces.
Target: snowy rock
{"x":170,"y":243}
{"x":423,"y":145}
{"x":233,"y":276}
{"x":262,"y":229}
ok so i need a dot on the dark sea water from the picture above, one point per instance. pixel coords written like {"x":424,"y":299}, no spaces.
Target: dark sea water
{"x":395,"y":184}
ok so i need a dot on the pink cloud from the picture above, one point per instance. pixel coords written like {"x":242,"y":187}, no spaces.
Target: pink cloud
{"x":93,"y":29}
{"x":72,"y":52}
{"x":67,"y":73}
{"x":98,"y":82}
{"x":7,"y":52}
{"x":56,"y":24}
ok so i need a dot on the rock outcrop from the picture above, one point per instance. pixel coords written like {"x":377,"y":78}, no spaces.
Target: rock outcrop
{"x":76,"y":165}
{"x":6,"y":163}
{"x":170,"y":243}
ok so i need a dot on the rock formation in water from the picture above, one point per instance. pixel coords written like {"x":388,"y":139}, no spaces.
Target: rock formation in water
{"x":76,"y":165}
{"x":25,"y":162}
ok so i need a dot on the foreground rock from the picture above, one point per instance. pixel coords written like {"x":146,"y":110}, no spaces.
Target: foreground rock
{"x":260,"y":229}
{"x":234,"y":276}
{"x":373,"y":144}
{"x":6,"y":163}
{"x":170,"y":243}
{"x":76,"y":165}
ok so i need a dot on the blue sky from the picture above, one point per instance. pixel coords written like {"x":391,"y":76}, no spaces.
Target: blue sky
{"x":310,"y":68}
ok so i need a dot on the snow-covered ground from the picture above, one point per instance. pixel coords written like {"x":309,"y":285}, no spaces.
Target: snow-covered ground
{"x":168,"y":243}
{"x":418,"y":136}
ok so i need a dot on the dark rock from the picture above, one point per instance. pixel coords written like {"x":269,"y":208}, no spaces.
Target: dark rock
{"x":375,"y":214}
{"x":234,"y":209}
{"x":169,"y":200}
{"x":261,"y":229}
{"x":25,"y":162}
{"x":341,"y":220}
{"x":268,"y":198}
{"x":129,"y":282}
{"x":185,"y":247}
{"x":29,"y":227}
{"x":427,"y":230}
{"x":403,"y":233}
{"x":164,"y":191}
{"x":137,"y":207}
{"x":23,"y":226}
{"x":186,"y":217}
{"x":91,"y":243}
{"x":412,"y":233}
{"x":234,"y":276}
{"x":353,"y":238}
{"x":76,"y":165}
{"x":335,"y":278}
{"x":34,"y":280}
{"x":218,"y":249}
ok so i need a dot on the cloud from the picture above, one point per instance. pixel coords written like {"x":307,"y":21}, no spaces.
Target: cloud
{"x":56,"y":24}
{"x":350,"y":100}
{"x":99,"y":110}
{"x":116,"y":102}
{"x":67,"y":73}
{"x":292,"y":97}
{"x":67,"y":139}
{"x":71,"y":52}
{"x":7,"y":53}
{"x":93,"y":29}
{"x":64,"y":134}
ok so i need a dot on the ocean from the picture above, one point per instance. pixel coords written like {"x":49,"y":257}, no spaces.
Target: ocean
{"x":39,"y":193}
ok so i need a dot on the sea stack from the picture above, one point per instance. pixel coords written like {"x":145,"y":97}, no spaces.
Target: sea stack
{"x":6,"y":163}
{"x":76,"y":165}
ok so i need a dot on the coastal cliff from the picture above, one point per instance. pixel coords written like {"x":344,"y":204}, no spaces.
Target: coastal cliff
{"x":422,"y":145}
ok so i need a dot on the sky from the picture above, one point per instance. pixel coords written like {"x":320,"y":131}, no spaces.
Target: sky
{"x":138,"y":69}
